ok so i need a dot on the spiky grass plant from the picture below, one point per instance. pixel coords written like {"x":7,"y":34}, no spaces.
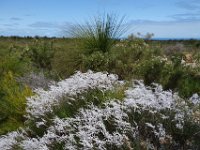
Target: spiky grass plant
{"x":100,"y":33}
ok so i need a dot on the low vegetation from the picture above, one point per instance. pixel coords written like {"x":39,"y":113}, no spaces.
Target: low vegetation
{"x":90,"y":115}
{"x":140,"y":94}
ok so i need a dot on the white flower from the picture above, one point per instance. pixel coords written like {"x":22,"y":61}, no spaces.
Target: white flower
{"x":43,"y":101}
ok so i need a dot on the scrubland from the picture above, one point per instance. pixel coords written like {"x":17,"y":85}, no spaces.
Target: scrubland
{"x":95,"y":91}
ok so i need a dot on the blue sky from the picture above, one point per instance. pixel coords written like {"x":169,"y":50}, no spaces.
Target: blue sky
{"x":164,"y":18}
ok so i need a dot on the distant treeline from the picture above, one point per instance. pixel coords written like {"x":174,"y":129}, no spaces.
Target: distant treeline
{"x":189,"y":40}
{"x":33,"y":37}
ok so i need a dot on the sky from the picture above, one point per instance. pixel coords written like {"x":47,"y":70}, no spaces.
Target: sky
{"x":164,"y":18}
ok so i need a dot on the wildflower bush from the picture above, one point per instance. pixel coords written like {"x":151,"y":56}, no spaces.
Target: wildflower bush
{"x":172,"y":75}
{"x":142,"y":117}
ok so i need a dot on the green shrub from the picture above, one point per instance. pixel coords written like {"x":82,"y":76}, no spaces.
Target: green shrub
{"x":134,"y":50}
{"x":13,"y":63}
{"x":40,"y":54}
{"x":150,"y":70}
{"x":174,"y":77}
{"x":97,"y":61}
{"x":126,"y":56}
{"x":67,"y":62}
{"x":12,"y":103}
{"x":180,"y":79}
{"x":176,"y":59}
{"x":189,"y":84}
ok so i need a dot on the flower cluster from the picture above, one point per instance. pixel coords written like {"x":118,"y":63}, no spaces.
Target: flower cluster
{"x":43,"y":101}
{"x":147,"y":118}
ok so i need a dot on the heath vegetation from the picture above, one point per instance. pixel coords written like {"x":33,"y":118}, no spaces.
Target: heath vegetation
{"x":98,"y":91}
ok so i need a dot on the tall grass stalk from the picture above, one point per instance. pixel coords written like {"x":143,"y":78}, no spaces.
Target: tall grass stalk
{"x":99,"y":34}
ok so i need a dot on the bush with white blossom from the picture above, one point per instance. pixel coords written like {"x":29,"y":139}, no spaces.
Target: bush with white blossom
{"x":146,"y":118}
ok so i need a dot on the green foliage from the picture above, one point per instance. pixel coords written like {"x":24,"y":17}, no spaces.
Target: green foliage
{"x":12,"y":94}
{"x":150,"y":70}
{"x":67,"y":62}
{"x":68,"y":106}
{"x":96,"y":61}
{"x":12,"y":103}
{"x":179,"y":78}
{"x":12,"y":63}
{"x":126,"y":56}
{"x":99,"y":34}
{"x":170,"y":75}
{"x":176,"y":59}
{"x":40,"y":54}
{"x":189,"y":84}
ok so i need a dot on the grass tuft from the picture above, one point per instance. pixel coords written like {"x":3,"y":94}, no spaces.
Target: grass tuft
{"x":100,"y":33}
